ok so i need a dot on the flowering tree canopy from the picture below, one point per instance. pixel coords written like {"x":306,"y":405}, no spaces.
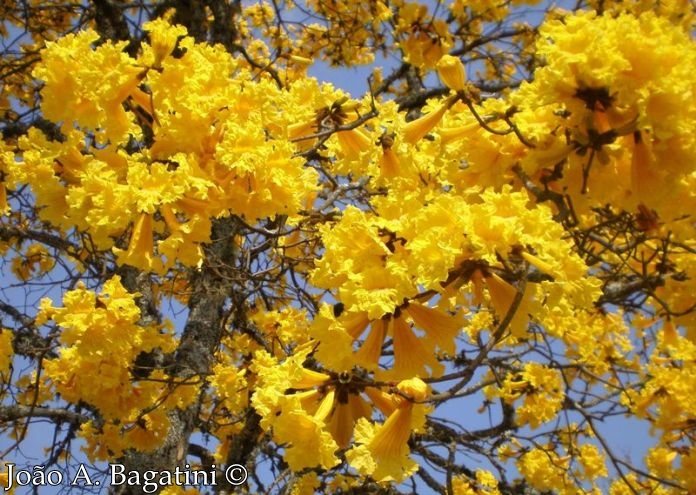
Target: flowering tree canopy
{"x":448,"y":283}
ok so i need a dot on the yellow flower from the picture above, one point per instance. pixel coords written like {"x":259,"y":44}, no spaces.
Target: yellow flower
{"x":390,"y":163}
{"x":231,"y":386}
{"x":140,"y":249}
{"x":424,"y":49}
{"x":451,"y":72}
{"x":310,"y":444}
{"x":163,"y":38}
{"x":592,"y":461}
{"x":344,"y":417}
{"x":542,"y":390}
{"x":440,"y":327}
{"x":92,"y":344}
{"x":416,"y":129}
{"x":354,"y":142}
{"x":382,"y":451}
{"x":450,"y":134}
{"x":538,"y":263}
{"x":412,"y":354}
{"x":544,"y":470}
{"x":414,"y":389}
{"x":370,"y":276}
{"x":6,"y":352}
{"x":369,"y":353}
{"x":502,"y":296}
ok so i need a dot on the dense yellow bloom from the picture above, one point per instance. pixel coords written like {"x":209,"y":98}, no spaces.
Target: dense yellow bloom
{"x":92,"y":345}
{"x":638,"y":61}
{"x":78,"y":89}
{"x":625,"y":76}
{"x":677,"y":12}
{"x":213,"y":152}
{"x":358,"y":260}
{"x":231,"y":386}
{"x":592,"y":461}
{"x":426,"y":44}
{"x":144,"y":432}
{"x":309,"y":442}
{"x":351,"y":26}
{"x":285,"y":325}
{"x":664,"y":398}
{"x":314,"y":413}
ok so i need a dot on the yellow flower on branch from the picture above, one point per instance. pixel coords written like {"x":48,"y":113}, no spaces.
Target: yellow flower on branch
{"x":141,"y":246}
{"x":415,"y":130}
{"x":541,"y":389}
{"x":382,"y":451}
{"x":163,"y":39}
{"x":354,"y":142}
{"x":451,"y":72}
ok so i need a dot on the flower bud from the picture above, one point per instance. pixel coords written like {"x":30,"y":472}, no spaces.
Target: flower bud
{"x":451,"y":72}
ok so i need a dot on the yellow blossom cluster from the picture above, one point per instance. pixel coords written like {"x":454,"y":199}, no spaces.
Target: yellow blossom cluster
{"x":424,"y":40}
{"x":101,"y":338}
{"x":314,"y":414}
{"x":619,"y":88}
{"x":541,"y":389}
{"x":210,"y":152}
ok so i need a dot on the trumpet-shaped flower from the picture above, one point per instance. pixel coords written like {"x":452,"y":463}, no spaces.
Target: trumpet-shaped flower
{"x":415,"y":130}
{"x":140,"y":248}
{"x":382,"y":451}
